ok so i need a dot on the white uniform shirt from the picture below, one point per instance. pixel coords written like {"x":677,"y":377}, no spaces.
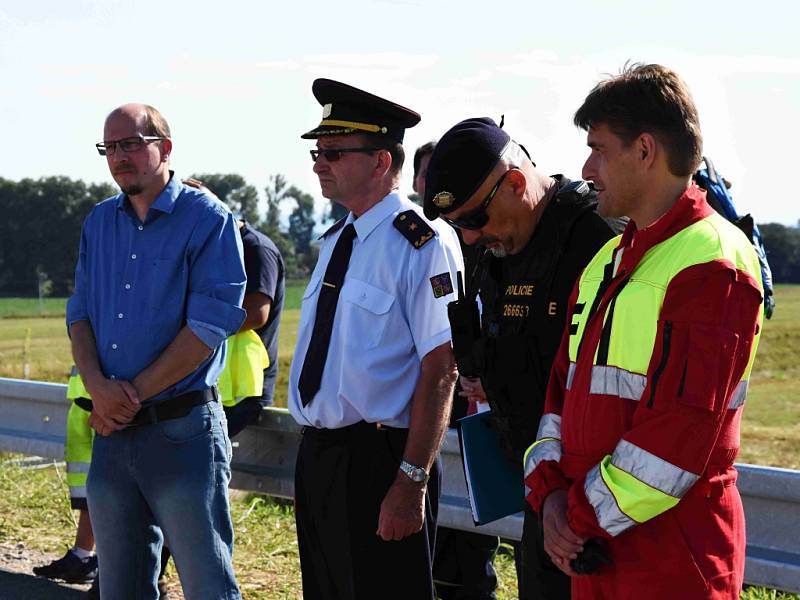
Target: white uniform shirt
{"x":387,"y":319}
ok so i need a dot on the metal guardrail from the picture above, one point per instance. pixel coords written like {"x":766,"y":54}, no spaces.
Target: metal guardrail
{"x":33,"y":421}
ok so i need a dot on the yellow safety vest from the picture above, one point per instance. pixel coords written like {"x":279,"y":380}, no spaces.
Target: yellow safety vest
{"x":637,"y":308}
{"x":243,"y":373}
{"x":80,"y":436}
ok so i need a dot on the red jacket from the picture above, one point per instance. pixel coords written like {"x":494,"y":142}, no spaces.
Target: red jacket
{"x":708,"y":320}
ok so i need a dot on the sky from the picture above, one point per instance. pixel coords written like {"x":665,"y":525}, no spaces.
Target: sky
{"x":234,"y":78}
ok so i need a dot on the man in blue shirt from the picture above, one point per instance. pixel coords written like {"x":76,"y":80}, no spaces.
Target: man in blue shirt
{"x":158,"y":288}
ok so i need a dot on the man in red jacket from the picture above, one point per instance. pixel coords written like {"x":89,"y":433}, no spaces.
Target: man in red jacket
{"x":632,"y":468}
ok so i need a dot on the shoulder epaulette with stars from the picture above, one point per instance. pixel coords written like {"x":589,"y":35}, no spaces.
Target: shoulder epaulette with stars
{"x":333,"y":228}
{"x":414,"y":228}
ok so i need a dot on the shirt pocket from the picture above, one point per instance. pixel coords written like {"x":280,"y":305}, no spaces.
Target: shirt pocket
{"x":168,"y":284}
{"x":365,"y":312}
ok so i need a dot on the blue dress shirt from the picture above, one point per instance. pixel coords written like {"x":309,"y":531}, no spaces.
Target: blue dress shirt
{"x":138,"y":283}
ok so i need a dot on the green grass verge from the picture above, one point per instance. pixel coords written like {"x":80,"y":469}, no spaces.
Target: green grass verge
{"x":34,"y":509}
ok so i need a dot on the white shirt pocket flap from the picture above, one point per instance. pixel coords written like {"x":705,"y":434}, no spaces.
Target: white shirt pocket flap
{"x":367,"y":296}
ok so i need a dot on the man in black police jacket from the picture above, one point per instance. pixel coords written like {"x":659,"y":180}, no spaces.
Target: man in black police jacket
{"x":539,"y":232}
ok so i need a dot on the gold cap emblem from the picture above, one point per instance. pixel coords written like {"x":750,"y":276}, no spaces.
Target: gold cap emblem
{"x":326,"y":110}
{"x":443,"y":200}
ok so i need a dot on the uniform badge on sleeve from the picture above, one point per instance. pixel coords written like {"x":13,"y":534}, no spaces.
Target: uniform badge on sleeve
{"x":442,"y":285}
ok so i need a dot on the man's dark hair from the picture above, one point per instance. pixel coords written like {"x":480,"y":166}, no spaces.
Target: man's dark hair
{"x":421,"y":153}
{"x":382,"y":142}
{"x":652,"y":99}
{"x":155,"y":123}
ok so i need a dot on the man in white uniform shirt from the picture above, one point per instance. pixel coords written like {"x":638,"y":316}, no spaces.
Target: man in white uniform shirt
{"x":373,"y":371}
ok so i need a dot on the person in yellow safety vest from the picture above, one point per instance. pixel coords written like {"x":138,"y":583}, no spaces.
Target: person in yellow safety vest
{"x":79,"y":564}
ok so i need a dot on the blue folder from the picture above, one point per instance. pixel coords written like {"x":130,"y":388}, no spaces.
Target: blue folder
{"x":495,"y":484}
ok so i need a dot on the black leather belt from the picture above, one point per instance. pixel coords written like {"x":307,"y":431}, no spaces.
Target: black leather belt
{"x":173,"y":408}
{"x":362,"y":427}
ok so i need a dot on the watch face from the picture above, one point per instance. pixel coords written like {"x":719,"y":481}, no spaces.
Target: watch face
{"x":415,"y":474}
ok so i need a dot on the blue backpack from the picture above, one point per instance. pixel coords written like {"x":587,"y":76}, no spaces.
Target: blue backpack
{"x":719,"y":197}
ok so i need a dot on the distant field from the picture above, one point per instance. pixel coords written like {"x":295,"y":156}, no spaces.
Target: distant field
{"x":770,"y":430}
{"x":57,"y":307}
{"x":31,"y":307}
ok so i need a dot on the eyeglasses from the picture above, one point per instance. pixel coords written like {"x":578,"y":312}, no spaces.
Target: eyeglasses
{"x":476,"y":219}
{"x":131,"y":144}
{"x":334,"y":154}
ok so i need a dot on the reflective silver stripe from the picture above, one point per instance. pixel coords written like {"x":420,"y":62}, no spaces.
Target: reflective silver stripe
{"x":77,"y":467}
{"x":547,"y":445}
{"x":739,"y":395}
{"x":73,"y":371}
{"x":549,"y":427}
{"x":609,"y":516}
{"x":613,"y":381}
{"x":547,"y":449}
{"x":652,"y":470}
{"x":571,"y":374}
{"x":77,"y":491}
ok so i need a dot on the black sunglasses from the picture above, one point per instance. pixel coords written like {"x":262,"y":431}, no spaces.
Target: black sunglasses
{"x":476,"y":219}
{"x":334,"y":154}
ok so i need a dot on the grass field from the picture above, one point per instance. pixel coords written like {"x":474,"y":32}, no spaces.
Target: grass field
{"x":34,"y":507}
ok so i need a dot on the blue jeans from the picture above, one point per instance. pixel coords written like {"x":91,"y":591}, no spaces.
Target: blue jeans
{"x":173,"y":477}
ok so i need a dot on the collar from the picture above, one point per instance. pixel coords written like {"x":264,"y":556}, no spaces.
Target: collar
{"x":369,"y":221}
{"x":165,"y":201}
{"x":689,"y":208}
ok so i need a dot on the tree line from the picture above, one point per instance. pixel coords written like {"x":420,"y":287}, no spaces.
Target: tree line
{"x":41,"y":225}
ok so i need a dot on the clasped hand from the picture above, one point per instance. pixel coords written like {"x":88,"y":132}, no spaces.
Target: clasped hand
{"x":115,"y":404}
{"x":560,"y":542}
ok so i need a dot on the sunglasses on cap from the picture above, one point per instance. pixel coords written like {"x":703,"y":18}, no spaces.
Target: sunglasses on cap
{"x":334,"y":154}
{"x":477,"y":218}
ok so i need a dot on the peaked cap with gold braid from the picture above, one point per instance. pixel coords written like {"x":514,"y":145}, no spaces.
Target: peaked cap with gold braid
{"x":347,"y":110}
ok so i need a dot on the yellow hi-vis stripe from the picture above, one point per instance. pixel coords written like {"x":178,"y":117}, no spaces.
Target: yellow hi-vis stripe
{"x":636,"y":499}
{"x":354,"y":125}
{"x":544,"y":449}
{"x":620,"y":500}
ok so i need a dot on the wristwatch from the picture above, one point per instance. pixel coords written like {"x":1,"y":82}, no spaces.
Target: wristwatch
{"x":415,"y":473}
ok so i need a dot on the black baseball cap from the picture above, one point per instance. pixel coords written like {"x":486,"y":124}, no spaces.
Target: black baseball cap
{"x":347,"y":110}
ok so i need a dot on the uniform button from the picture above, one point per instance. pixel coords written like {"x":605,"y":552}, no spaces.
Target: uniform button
{"x":113,"y":377}
{"x":140,"y":227}
{"x":114,"y":346}
{"x":127,"y":286}
{"x":120,"y":315}
{"x":133,"y":256}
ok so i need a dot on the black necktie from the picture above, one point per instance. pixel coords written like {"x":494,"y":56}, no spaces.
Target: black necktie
{"x":317,"y":353}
